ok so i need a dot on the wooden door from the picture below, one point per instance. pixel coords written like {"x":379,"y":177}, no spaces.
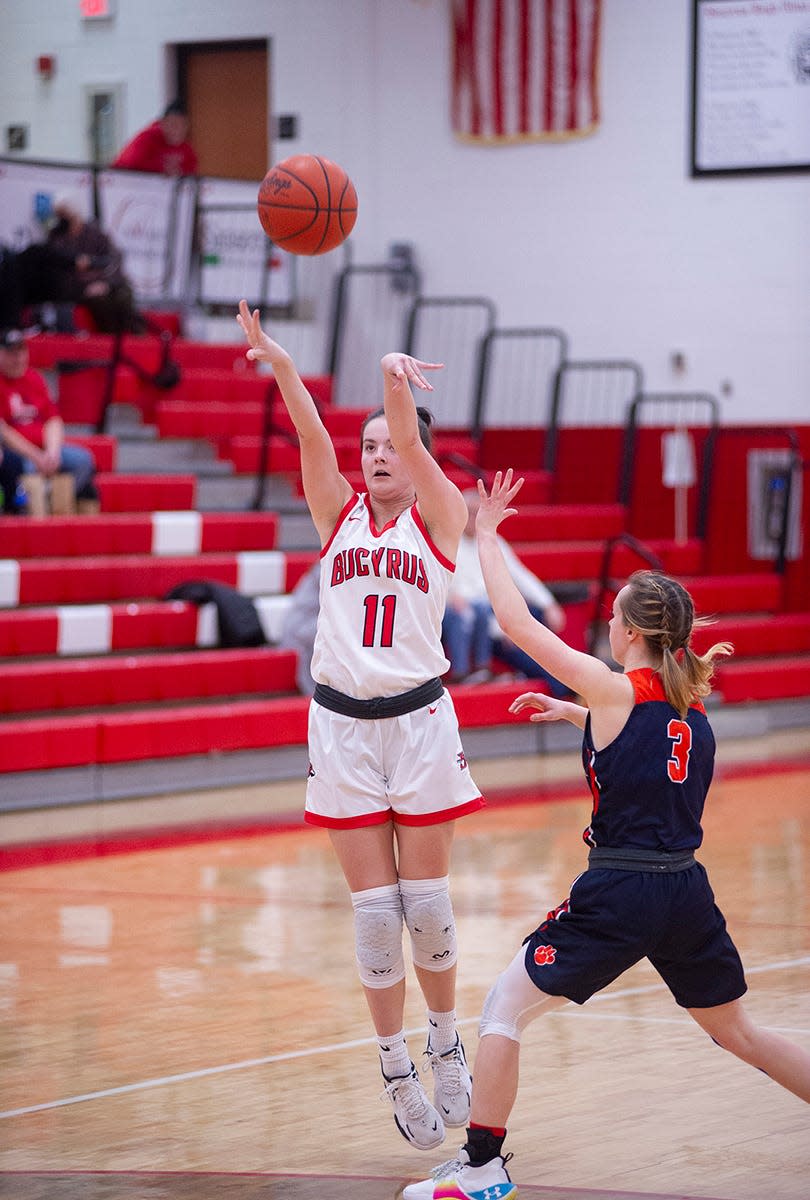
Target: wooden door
{"x":225,"y":87}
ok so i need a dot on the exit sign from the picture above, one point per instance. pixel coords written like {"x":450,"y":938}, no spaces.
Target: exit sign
{"x":94,"y":10}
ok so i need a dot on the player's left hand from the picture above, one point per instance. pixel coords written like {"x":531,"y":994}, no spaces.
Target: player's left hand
{"x":494,"y":507}
{"x":550,"y":709}
{"x":404,"y":366}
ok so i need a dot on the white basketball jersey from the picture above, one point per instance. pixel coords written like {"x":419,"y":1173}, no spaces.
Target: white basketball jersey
{"x":382,"y":599}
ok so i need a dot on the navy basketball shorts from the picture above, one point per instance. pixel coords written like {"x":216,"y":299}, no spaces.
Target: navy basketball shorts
{"x":613,"y":919}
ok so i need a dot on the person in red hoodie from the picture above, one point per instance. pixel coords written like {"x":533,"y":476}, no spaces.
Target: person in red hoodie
{"x":32,"y":433}
{"x":163,"y":147}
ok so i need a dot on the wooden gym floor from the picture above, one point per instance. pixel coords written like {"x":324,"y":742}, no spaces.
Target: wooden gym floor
{"x":183,"y":1021}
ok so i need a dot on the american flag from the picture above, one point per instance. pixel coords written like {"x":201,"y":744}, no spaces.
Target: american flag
{"x":525,"y":70}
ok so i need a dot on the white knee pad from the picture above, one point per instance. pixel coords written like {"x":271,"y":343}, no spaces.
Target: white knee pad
{"x":378,"y":935}
{"x":430,"y":921}
{"x":513,"y":1002}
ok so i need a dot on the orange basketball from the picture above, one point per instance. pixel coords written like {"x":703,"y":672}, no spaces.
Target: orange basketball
{"x":307,"y":204}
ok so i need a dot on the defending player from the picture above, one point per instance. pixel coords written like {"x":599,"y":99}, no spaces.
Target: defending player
{"x":648,"y":752}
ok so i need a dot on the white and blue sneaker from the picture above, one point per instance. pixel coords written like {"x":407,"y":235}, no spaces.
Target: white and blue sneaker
{"x":457,"y":1180}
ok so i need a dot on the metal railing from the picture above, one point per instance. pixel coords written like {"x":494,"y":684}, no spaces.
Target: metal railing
{"x":269,"y":430}
{"x":165,"y":376}
{"x":458,"y":326}
{"x":355,"y":346}
{"x":590,"y":392}
{"x":526,"y":380}
{"x":682,"y":405}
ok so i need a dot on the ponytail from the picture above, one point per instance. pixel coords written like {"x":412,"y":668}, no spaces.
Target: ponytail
{"x":663,"y":612}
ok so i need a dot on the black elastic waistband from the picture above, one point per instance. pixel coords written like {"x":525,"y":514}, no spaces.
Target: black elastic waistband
{"x":640,"y":860}
{"x":379,"y":706}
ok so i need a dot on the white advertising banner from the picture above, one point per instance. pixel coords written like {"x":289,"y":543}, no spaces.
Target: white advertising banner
{"x":28,"y":192}
{"x":236,"y":257}
{"x":151,"y":220}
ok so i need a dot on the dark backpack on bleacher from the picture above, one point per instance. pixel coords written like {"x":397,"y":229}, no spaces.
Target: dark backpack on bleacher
{"x":237,"y":619}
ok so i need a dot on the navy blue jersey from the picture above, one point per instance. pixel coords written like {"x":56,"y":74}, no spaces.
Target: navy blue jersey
{"x":649,"y":785}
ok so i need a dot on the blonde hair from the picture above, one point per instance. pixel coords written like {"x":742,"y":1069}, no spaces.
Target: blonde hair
{"x":663,"y":612}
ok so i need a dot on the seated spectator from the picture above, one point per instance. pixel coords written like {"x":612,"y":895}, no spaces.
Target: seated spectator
{"x":163,"y":147}
{"x":470,"y":633}
{"x":31,"y":428}
{"x":46,"y":282}
{"x":300,"y":623}
{"x":91,"y":271}
{"x":34,"y":276}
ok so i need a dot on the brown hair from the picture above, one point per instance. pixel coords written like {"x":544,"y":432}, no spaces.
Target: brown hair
{"x":663,"y":612}
{"x":424,"y":419}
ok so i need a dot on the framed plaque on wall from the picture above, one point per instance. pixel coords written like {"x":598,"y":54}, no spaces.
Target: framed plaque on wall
{"x":750,"y":86}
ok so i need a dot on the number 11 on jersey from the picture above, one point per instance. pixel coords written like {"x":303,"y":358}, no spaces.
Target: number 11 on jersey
{"x":384,"y":636}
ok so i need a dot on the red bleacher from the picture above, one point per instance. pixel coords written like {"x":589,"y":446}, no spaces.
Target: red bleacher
{"x":158,"y":624}
{"x":112,"y":681}
{"x":145,"y":493}
{"x":129,"y":533}
{"x":137,"y":576}
{"x":182,"y":699}
{"x":39,"y":743}
{"x":103,"y":448}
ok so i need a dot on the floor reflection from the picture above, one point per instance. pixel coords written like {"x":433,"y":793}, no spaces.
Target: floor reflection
{"x":141,"y":1185}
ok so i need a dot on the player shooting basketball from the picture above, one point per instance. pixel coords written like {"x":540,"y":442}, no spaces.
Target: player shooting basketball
{"x":387,"y":774}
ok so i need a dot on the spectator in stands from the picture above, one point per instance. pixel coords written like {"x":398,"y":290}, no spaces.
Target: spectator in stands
{"x":471,"y":635}
{"x":31,"y":428}
{"x":163,"y":147}
{"x":92,"y":273}
{"x":32,"y":277}
{"x":301,"y":624}
{"x":387,"y":776}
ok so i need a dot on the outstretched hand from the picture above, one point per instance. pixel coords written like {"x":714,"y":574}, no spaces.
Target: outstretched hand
{"x":550,"y":709}
{"x":494,"y":507}
{"x":405,"y":367}
{"x":262,"y":347}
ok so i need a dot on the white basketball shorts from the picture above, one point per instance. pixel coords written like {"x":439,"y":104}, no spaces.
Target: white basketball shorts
{"x":411,"y":769}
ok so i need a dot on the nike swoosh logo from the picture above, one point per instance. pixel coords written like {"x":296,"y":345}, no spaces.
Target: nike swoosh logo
{"x":432,"y":710}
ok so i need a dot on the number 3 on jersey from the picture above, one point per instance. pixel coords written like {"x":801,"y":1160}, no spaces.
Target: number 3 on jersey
{"x":678,"y":763}
{"x":372,"y":605}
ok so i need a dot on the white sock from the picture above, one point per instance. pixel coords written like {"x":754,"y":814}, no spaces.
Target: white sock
{"x":441,"y":1031}
{"x":394,"y":1056}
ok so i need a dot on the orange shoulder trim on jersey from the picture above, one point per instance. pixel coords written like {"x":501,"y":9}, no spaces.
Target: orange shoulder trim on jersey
{"x":422,"y":527}
{"x":647,"y":686}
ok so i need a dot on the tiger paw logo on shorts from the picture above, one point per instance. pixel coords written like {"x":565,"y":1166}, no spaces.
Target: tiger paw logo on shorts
{"x":544,"y":955}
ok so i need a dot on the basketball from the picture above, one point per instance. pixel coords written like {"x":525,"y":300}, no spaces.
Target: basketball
{"x":307,"y":204}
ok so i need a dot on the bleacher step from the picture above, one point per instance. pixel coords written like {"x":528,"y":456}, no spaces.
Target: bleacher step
{"x":181,"y":454}
{"x":104,"y":578}
{"x":216,"y":493}
{"x":58,"y":787}
{"x":775,"y":678}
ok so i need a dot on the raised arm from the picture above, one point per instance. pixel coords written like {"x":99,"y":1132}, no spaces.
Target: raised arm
{"x":582,"y":673}
{"x":326,"y":490}
{"x":440,"y":502}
